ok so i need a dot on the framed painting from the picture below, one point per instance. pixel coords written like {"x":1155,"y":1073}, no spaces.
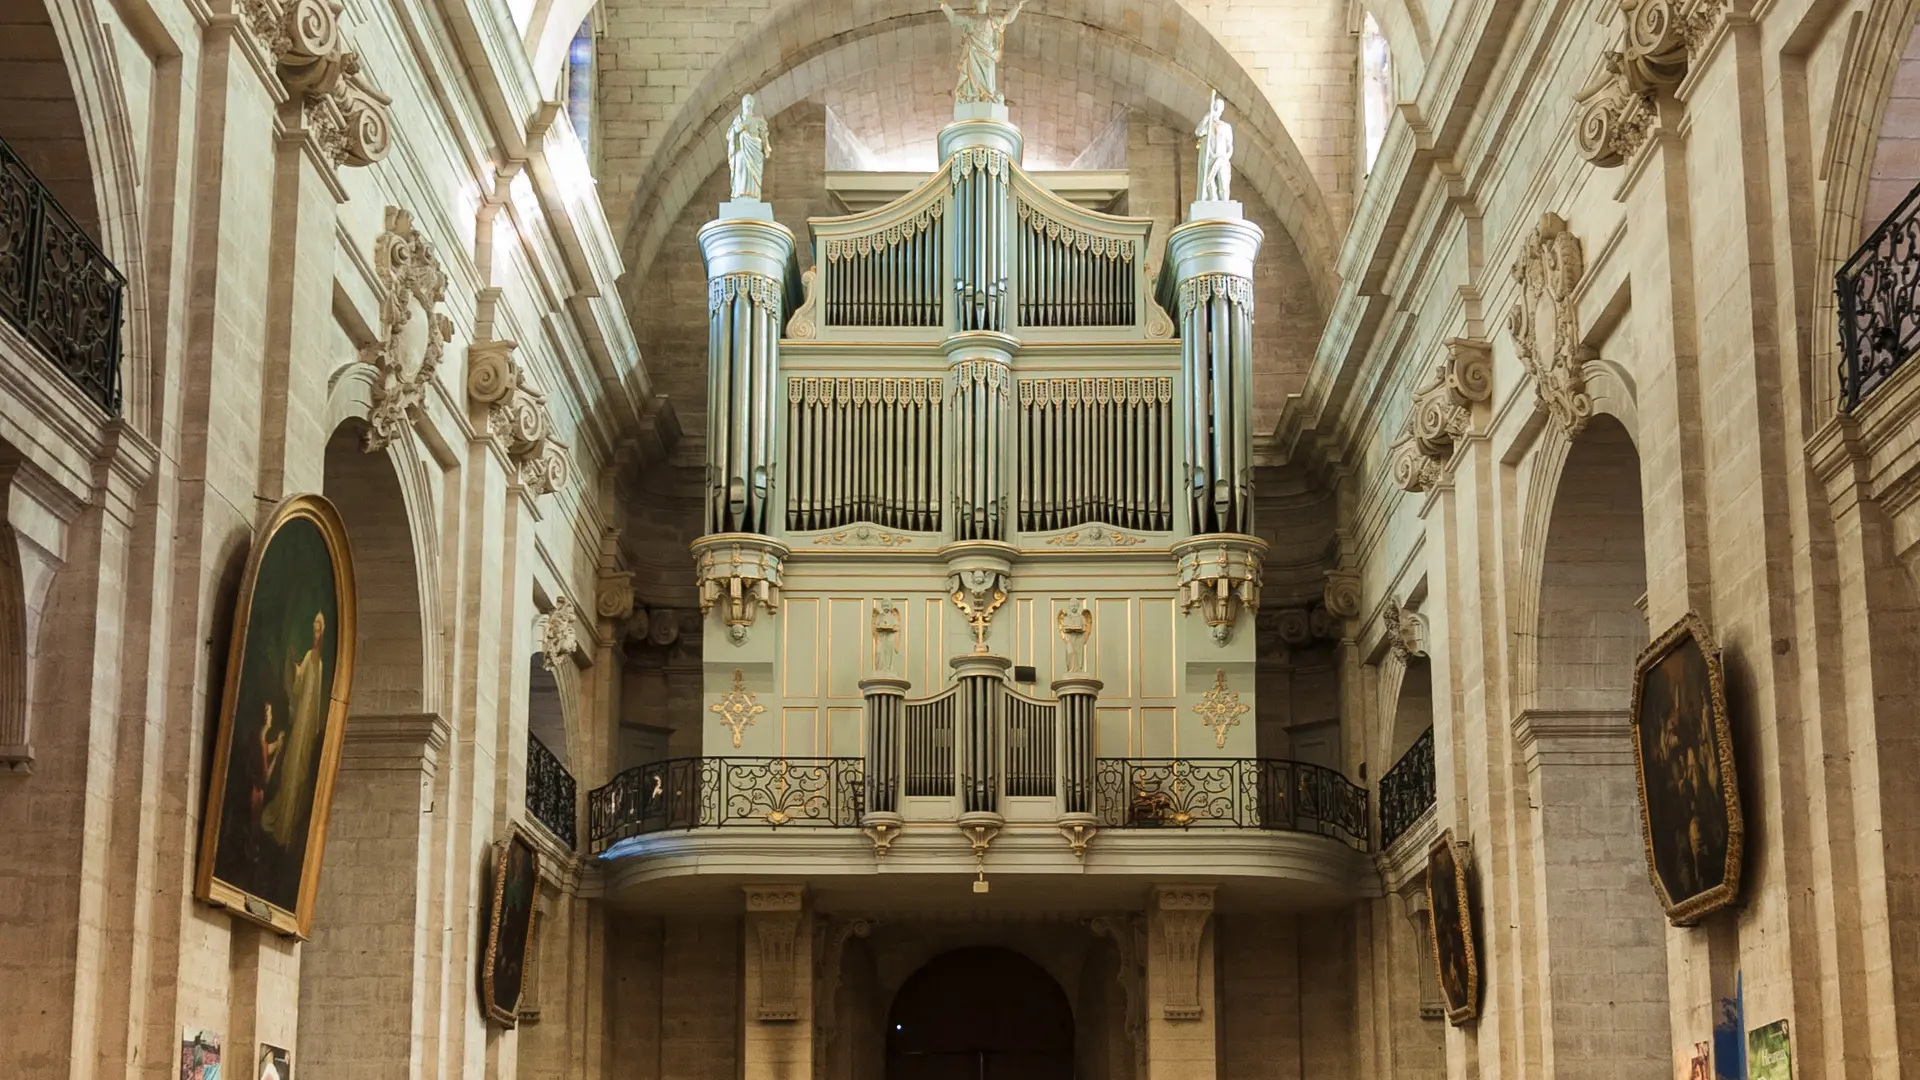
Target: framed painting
{"x":274,"y":1063}
{"x":509,"y":915}
{"x":1456,"y":958}
{"x":1770,"y":1053}
{"x":199,"y":1055}
{"x":282,"y":718}
{"x":1689,"y":788}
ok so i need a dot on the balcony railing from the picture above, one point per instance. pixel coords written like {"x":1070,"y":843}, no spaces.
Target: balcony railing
{"x":551,"y":791}
{"x":695,"y":792}
{"x":1239,"y":793}
{"x":1879,"y":290}
{"x":56,"y":286}
{"x":1406,"y":790}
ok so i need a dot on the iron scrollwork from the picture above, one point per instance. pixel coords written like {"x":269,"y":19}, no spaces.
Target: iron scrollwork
{"x":56,"y":286}
{"x":550,"y":792}
{"x":1241,"y":793}
{"x":1879,"y":298}
{"x":1406,"y":790}
{"x":701,"y":792}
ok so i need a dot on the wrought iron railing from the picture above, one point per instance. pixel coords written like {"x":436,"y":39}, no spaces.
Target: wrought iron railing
{"x":1879,"y":293}
{"x":56,"y":286}
{"x":1242,"y":793}
{"x":551,"y":792}
{"x":696,"y":792}
{"x":1406,"y":790}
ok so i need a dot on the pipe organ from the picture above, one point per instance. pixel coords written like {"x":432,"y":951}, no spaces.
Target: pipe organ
{"x":1007,"y":472}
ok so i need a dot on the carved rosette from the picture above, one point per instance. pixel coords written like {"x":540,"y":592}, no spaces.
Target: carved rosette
{"x":350,"y":119}
{"x":517,"y":415}
{"x":559,"y":634}
{"x":410,"y":278}
{"x":1406,"y":630}
{"x":740,"y":573}
{"x":1659,"y":39}
{"x":1219,"y":573}
{"x":1182,"y":913}
{"x":1442,"y":412}
{"x":1548,"y":270}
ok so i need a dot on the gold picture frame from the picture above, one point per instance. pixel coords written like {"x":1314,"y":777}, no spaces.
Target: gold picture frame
{"x":513,"y":884}
{"x":1456,"y":955}
{"x":270,"y":788}
{"x":1686,"y":775}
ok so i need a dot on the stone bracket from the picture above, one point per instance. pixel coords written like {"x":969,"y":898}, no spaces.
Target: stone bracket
{"x":1181,"y":913}
{"x":773,"y":913}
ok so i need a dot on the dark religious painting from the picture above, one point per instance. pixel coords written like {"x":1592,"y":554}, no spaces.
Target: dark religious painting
{"x":282,"y":717}
{"x":509,"y":926}
{"x":1689,"y":792}
{"x":1455,"y":957}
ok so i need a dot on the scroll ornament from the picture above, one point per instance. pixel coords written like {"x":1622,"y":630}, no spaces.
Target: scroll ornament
{"x":1442,"y":412}
{"x":350,"y":119}
{"x":517,"y":415}
{"x":1342,"y":594}
{"x":1618,"y":107}
{"x":805,"y":322}
{"x":410,"y":277}
{"x":613,"y":595}
{"x":1548,"y":270}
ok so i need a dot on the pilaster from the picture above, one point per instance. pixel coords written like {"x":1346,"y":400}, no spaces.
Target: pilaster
{"x":1181,"y":1022}
{"x":778,"y":1041}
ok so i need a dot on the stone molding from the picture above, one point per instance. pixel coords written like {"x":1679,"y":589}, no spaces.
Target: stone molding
{"x":401,"y":740}
{"x":1548,"y":269}
{"x":1659,"y":41}
{"x":1129,"y":935}
{"x":1602,"y":737}
{"x":774,"y":913}
{"x":517,"y":415}
{"x":410,"y":275}
{"x":830,"y":944}
{"x":1442,"y":412}
{"x":1406,"y":630}
{"x":1182,"y":912}
{"x":559,"y":635}
{"x":613,"y":596}
{"x":351,"y":120}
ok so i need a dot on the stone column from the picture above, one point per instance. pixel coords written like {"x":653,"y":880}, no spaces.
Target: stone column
{"x":362,"y":1002}
{"x":778,"y":1042}
{"x":1180,"y":980}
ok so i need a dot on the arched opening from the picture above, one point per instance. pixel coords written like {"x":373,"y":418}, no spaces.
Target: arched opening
{"x":980,"y":1014}
{"x":545,"y":721}
{"x":39,"y":117}
{"x":1896,"y":154}
{"x":358,"y":1014}
{"x":1604,"y":932}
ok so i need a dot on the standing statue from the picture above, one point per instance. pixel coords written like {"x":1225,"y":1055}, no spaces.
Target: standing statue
{"x":747,"y":151}
{"x":1075,"y":619}
{"x":1215,"y":144}
{"x":980,"y":63}
{"x":886,"y":635}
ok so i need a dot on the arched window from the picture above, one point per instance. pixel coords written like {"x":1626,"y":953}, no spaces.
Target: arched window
{"x":576,"y":82}
{"x":1376,"y":87}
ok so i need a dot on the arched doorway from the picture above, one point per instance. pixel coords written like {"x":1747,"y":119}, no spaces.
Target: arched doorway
{"x":980,"y":1014}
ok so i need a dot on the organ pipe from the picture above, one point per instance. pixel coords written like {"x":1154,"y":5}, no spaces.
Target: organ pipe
{"x":1095,"y":449}
{"x":1070,"y":277}
{"x":980,"y":195}
{"x":744,"y":312}
{"x":1216,"y":313}
{"x":980,"y":398}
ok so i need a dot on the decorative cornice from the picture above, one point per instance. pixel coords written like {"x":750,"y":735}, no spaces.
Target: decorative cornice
{"x":410,"y":277}
{"x":1659,"y":40}
{"x":1442,"y":412}
{"x":517,"y":415}
{"x":350,"y":119}
{"x":1548,"y":270}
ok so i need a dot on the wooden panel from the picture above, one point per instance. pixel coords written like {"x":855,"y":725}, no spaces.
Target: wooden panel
{"x":846,"y":733}
{"x":1159,"y":624}
{"x":1112,"y":645}
{"x":800,"y":732}
{"x":1113,"y":732}
{"x":1160,"y":735}
{"x":799,"y":621}
{"x":849,"y":645}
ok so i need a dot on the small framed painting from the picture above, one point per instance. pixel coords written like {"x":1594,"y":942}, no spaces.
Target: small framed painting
{"x":1688,"y":785}
{"x":274,"y":1064}
{"x":282,"y":718}
{"x":1450,"y":913}
{"x":508,"y":921}
{"x":199,"y":1055}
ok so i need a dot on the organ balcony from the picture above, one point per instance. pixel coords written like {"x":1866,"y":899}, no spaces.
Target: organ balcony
{"x":978,"y":567}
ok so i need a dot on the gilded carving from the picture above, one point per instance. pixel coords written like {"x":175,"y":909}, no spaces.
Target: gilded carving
{"x":1220,"y":574}
{"x":349,"y":118}
{"x":559,"y":634}
{"x":1442,"y":412}
{"x":978,"y":592}
{"x":1221,"y":709}
{"x":410,"y":276}
{"x":517,"y":415}
{"x":737,"y":707}
{"x":743,"y":570}
{"x":1548,"y":270}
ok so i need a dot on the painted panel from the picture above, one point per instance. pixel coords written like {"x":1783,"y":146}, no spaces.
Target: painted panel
{"x":1158,"y":654}
{"x":849,"y":645}
{"x":1112,"y":645}
{"x":1113,"y":732}
{"x":800,"y":656}
{"x":846,"y":733}
{"x":1160,"y":736}
{"x":799,"y":732}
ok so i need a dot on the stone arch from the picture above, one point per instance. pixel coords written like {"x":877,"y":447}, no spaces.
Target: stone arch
{"x":800,"y":50}
{"x":977,"y":1003}
{"x":1856,"y":179}
{"x":1411,"y":709}
{"x":390,"y":668}
{"x":15,"y":665}
{"x":546,"y":709}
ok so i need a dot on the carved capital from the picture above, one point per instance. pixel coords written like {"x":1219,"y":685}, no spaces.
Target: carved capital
{"x":350,"y":119}
{"x":613,"y":594}
{"x":1342,"y":594}
{"x":774,"y":913}
{"x":1659,"y":40}
{"x":1442,"y":412}
{"x":559,"y":634}
{"x":517,"y":415}
{"x":1180,"y":914}
{"x":1548,"y":270}
{"x":1298,"y":627}
{"x":1406,"y":630}
{"x":409,"y":351}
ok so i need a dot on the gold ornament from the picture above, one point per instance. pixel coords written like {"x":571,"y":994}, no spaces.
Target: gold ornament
{"x":737,"y":707}
{"x":1219,"y":709}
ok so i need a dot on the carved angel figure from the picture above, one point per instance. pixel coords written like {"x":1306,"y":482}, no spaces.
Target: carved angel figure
{"x":1075,"y":620}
